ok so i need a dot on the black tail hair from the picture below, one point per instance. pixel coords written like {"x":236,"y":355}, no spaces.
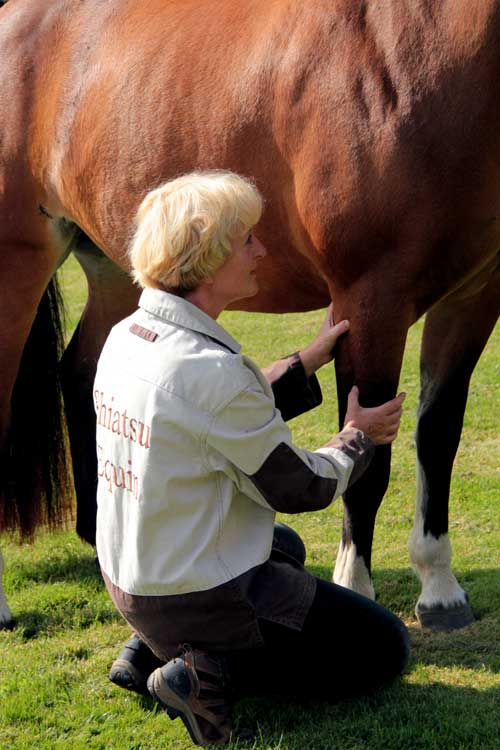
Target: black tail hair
{"x":36,"y":473}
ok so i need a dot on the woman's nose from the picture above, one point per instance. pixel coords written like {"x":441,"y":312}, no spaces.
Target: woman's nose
{"x":260,"y":250}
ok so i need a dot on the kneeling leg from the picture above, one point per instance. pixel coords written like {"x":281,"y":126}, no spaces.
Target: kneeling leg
{"x":349,"y":646}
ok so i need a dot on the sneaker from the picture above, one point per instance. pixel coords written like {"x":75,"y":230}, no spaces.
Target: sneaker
{"x":134,"y":665}
{"x":192,"y":686}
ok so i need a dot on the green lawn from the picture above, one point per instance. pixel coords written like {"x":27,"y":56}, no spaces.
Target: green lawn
{"x":54,"y":691}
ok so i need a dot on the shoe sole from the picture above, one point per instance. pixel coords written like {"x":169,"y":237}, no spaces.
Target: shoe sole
{"x":176,"y":708}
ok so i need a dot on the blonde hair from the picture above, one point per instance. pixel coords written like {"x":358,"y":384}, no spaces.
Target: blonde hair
{"x":185,"y":227}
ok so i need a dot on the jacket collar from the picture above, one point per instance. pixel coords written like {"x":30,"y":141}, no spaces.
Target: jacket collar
{"x":182,"y":313}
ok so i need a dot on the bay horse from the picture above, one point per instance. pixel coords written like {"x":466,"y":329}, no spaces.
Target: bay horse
{"x":373,"y":130}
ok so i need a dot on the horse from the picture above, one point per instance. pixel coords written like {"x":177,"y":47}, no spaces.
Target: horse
{"x":372,"y":129}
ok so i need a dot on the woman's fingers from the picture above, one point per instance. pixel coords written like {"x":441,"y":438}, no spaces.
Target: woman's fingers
{"x":380,"y":423}
{"x":395,"y":405}
{"x":338,"y":329}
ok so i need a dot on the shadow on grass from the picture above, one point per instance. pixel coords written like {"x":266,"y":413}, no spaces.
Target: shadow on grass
{"x":423,"y":717}
{"x":65,"y":590}
{"x":64,"y":567}
{"x":402,"y":716}
{"x":35,"y":624}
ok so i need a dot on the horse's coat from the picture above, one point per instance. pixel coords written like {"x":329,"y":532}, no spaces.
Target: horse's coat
{"x":373,"y":130}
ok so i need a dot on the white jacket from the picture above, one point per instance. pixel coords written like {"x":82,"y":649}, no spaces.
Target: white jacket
{"x":188,"y":443}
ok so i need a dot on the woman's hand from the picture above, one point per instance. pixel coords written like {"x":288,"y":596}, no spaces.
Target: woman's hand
{"x":320,"y":350}
{"x":380,"y":423}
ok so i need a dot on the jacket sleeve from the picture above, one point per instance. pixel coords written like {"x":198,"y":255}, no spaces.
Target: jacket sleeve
{"x":249,"y":441}
{"x":294,"y":393}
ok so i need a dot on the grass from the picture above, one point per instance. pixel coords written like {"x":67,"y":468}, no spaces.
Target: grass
{"x":54,"y":692}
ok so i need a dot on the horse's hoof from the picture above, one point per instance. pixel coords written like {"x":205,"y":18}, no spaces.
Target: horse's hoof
{"x":442,"y":619}
{"x":7,"y":624}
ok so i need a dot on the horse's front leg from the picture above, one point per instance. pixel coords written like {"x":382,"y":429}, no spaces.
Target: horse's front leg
{"x":455,"y":334}
{"x":370,"y":357}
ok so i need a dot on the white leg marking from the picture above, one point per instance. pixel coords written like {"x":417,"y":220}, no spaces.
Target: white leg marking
{"x":5,"y":615}
{"x":351,"y":571}
{"x":431,"y":559}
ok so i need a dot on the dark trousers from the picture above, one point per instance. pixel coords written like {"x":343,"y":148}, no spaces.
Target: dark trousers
{"x":349,"y":646}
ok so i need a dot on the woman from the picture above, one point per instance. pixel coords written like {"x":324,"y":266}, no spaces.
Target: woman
{"x":194,"y":460}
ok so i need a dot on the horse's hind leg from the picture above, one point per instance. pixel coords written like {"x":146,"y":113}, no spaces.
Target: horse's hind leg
{"x":455,"y":334}
{"x":5,"y":614}
{"x":112,"y":296}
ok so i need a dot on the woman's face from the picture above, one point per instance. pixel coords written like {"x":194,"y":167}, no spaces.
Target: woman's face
{"x":236,"y":278}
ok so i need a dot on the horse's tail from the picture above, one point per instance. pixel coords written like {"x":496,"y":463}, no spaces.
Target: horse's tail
{"x":36,"y":475}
